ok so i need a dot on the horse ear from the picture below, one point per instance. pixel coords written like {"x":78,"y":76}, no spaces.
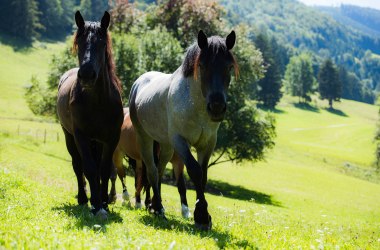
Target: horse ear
{"x":230,"y":40}
{"x":79,"y":19}
{"x":105,"y":22}
{"x":202,"y":40}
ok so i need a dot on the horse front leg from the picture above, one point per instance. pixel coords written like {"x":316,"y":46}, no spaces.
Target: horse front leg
{"x":77,"y":166}
{"x":91,"y":171}
{"x":202,"y":218}
{"x":106,"y":168}
{"x":204,"y":154}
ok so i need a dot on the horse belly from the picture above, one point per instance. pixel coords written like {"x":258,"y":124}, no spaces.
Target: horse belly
{"x":154,"y":122}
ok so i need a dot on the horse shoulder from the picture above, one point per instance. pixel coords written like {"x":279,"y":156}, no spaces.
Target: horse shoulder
{"x":187,"y":113}
{"x":66,"y":84}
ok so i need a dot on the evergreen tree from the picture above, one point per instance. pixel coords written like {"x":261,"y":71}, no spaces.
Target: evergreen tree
{"x":20,"y":18}
{"x":330,"y":87}
{"x":280,"y":55}
{"x":269,"y":92}
{"x":93,"y":9}
{"x":299,"y":80}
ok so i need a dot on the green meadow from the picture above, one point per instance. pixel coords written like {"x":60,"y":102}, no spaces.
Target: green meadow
{"x":316,"y":189}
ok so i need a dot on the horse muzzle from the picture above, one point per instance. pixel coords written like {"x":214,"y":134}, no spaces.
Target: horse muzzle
{"x":87,"y":75}
{"x":216,"y":110}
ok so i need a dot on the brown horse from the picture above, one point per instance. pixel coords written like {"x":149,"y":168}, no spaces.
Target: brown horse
{"x":128,"y":146}
{"x":90,"y":111}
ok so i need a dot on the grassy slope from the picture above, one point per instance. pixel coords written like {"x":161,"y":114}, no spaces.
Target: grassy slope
{"x":303,"y":195}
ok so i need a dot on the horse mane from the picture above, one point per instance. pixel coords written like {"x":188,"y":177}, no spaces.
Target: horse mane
{"x":217,"y":45}
{"x":109,"y":59}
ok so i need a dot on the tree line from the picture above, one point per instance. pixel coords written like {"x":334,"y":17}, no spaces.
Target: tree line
{"x":302,"y":29}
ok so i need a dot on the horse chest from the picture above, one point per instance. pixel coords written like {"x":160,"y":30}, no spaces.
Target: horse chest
{"x":96,"y":119}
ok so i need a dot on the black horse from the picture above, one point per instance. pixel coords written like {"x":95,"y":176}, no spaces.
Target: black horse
{"x":90,"y":111}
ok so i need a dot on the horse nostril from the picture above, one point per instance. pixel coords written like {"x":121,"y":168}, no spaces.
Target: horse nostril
{"x":217,"y":107}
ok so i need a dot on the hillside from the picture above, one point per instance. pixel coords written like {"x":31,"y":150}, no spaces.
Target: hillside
{"x":366,"y":20}
{"x":303,"y":28}
{"x":315,"y":189}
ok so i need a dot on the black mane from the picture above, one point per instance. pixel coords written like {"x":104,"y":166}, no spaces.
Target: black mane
{"x":216,"y":45}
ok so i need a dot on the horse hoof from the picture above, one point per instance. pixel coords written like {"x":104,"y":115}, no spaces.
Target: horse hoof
{"x":161,"y":213}
{"x":138,"y":205}
{"x":203,"y":227}
{"x":102,"y":214}
{"x":158,"y":213}
{"x":125,"y":196}
{"x":185,"y":211}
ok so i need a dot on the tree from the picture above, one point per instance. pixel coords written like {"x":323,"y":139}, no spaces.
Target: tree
{"x":151,"y":50}
{"x":184,"y":18}
{"x":330,"y":87}
{"x":299,"y":77}
{"x":245,"y":133}
{"x":269,"y":92}
{"x":20,"y":18}
{"x":56,"y":18}
{"x":93,"y":9}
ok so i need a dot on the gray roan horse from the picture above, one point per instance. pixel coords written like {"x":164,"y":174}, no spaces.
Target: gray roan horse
{"x":181,"y":110}
{"x":91,"y":112}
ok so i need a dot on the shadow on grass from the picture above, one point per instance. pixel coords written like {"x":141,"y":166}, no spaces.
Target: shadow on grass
{"x":240,"y":193}
{"x":84,"y":218}
{"x":266,"y":109}
{"x":336,"y":112}
{"x":221,"y":188}
{"x":306,"y":107}
{"x":17,"y":44}
{"x":222,"y":238}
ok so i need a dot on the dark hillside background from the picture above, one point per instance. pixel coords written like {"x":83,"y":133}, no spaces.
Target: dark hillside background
{"x":349,"y":35}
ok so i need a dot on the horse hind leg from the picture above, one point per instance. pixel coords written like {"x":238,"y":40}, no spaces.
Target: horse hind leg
{"x":178,"y":172}
{"x":139,"y":175}
{"x":121,"y":172}
{"x":146,"y":146}
{"x":117,"y":162}
{"x":77,"y":166}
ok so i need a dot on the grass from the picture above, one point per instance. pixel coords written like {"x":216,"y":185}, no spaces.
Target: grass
{"x":316,"y":189}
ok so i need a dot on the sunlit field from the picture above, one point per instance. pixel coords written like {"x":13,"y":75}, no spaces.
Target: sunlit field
{"x":316,"y":188}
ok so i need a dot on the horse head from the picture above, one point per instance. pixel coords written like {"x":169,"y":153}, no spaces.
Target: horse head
{"x":215,"y":62}
{"x":91,"y":41}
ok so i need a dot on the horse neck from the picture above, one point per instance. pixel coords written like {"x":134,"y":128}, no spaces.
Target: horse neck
{"x":103,"y":83}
